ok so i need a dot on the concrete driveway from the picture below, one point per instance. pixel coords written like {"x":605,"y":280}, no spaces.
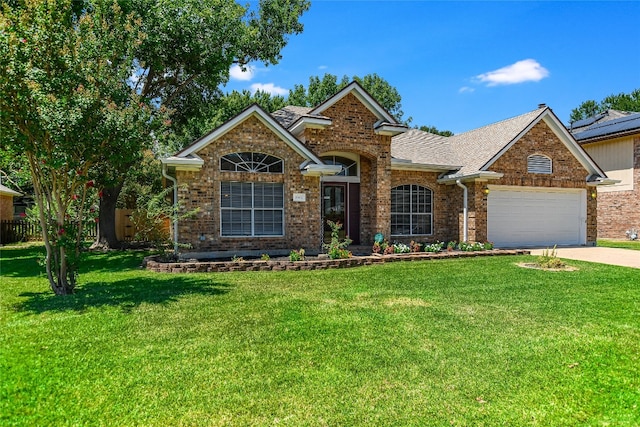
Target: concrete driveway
{"x":613,"y":256}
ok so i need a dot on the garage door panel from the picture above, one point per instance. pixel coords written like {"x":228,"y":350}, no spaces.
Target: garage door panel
{"x":536,"y":217}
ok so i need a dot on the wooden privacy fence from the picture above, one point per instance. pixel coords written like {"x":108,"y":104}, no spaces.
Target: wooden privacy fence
{"x":13,"y":231}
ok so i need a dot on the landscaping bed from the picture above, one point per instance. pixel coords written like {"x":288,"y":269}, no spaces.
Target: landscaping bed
{"x":154,"y":263}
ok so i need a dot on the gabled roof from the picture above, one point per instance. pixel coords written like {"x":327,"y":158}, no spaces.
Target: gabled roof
{"x":363,"y":96}
{"x":188,"y":156}
{"x":621,"y":125}
{"x":475,"y":151}
{"x":296,"y":119}
{"x":6,"y":191}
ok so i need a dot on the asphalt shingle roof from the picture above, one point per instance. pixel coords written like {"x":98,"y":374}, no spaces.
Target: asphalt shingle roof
{"x":471,"y":150}
{"x":476,"y":147}
{"x":290,"y":114}
{"x":423,"y":147}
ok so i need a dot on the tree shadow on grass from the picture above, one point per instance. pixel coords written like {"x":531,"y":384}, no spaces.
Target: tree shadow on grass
{"x":126,"y":294}
{"x":27,"y":261}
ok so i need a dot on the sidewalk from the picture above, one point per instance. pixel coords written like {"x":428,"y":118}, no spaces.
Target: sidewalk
{"x":612,"y":256}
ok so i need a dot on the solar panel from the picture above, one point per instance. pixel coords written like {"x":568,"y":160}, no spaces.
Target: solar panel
{"x":622,"y":124}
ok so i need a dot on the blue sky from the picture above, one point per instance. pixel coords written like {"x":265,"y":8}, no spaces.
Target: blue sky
{"x":462,"y":65}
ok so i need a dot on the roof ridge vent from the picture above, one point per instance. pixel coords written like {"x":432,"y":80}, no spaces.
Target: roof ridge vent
{"x":542,"y":105}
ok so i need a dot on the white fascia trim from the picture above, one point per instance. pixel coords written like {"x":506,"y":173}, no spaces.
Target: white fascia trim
{"x":266,"y":119}
{"x":309,"y":122}
{"x":362,"y":96}
{"x":192,"y":162}
{"x":570,"y":142}
{"x":390,"y":129}
{"x":603,"y":181}
{"x":482,"y":175}
{"x":320,"y":170}
{"x":408,"y":165}
{"x":5,"y":191}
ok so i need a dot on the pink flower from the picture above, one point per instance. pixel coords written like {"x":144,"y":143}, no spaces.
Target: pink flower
{"x":23,"y":40}
{"x":61,"y":231}
{"x":22,"y":214}
{"x":89,"y":184}
{"x":97,"y":220}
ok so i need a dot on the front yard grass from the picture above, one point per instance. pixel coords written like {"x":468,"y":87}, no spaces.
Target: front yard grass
{"x":624,"y":244}
{"x":474,"y":341}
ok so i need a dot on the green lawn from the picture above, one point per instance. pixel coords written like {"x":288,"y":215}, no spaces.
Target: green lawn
{"x":625,"y":244}
{"x":475,"y":342}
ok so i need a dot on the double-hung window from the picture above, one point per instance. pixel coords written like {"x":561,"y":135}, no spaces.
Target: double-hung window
{"x":251,"y":208}
{"x":411,"y":210}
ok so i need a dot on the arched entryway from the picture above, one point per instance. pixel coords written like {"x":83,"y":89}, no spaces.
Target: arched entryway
{"x":341,"y":196}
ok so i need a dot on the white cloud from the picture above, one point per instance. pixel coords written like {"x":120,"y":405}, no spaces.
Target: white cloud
{"x":269,"y":88}
{"x":466,"y":89}
{"x":528,"y":70}
{"x":323,"y":67}
{"x":236,"y":72}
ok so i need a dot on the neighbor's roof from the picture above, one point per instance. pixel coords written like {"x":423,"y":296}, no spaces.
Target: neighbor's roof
{"x":8,"y":192}
{"x":609,"y":128}
{"x":581,"y":125}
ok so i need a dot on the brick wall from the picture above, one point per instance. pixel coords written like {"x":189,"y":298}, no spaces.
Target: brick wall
{"x":6,"y":207}
{"x":352,"y":131}
{"x":618,"y":211}
{"x":202,"y":192}
{"x":567,"y":173}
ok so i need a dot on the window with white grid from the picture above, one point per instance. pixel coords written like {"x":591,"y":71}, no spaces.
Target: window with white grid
{"x":251,"y":209}
{"x":411,"y":210}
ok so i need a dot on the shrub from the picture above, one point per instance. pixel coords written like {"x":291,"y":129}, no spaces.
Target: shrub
{"x":265,"y":257}
{"x":549,"y":259}
{"x":415,"y":246}
{"x":296,"y":255}
{"x":337,"y":248}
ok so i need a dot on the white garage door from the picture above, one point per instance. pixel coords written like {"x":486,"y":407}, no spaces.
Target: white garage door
{"x":532,"y":216}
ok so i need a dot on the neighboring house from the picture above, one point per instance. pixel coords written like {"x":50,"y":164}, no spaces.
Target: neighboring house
{"x":612,"y":139}
{"x":6,"y":202}
{"x":266,"y":182}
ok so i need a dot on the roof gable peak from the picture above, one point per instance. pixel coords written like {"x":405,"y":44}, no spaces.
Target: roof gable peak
{"x":363,"y":96}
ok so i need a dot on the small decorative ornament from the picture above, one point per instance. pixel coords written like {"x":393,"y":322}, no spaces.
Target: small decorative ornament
{"x":378,"y":238}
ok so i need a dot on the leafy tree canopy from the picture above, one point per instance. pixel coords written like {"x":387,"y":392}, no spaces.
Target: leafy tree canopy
{"x":434,"y":130}
{"x":621,"y":101}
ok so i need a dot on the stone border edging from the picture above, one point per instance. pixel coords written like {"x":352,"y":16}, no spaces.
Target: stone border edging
{"x":150,"y":263}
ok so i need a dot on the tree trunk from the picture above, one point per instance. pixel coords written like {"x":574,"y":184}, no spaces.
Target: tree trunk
{"x":107,"y":219}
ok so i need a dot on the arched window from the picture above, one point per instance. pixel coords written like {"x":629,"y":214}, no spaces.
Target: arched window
{"x":411,"y":210}
{"x":251,"y":162}
{"x":538,"y":163}
{"x":349,"y":166}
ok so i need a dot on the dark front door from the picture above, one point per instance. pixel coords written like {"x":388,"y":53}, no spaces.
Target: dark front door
{"x":341,"y":203}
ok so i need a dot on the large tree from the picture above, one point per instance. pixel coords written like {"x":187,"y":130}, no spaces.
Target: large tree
{"x":189,"y":48}
{"x":621,"y":101}
{"x":65,"y":104}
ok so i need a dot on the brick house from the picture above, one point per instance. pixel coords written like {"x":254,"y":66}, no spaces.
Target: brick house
{"x":6,"y":202}
{"x":612,"y":139}
{"x":267,"y":183}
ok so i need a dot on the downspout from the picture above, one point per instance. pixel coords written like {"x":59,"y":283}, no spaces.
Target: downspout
{"x":174,"y":220}
{"x":465,"y":211}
